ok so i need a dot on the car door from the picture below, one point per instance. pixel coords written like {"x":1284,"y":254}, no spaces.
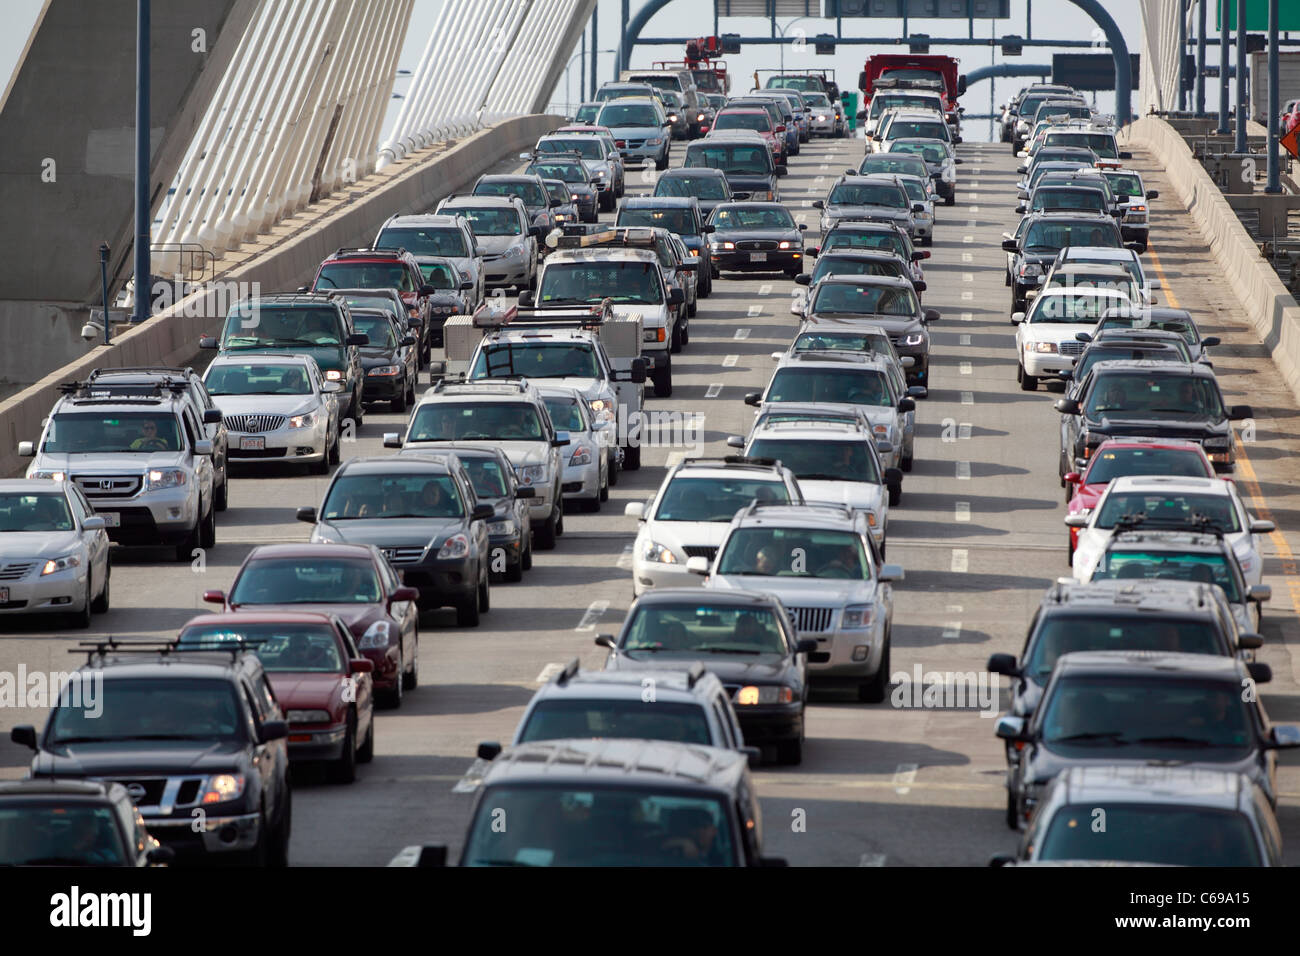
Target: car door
{"x":363,"y":685}
{"x":216,"y":431}
{"x":329,"y":400}
{"x":403,"y":613}
{"x":203,"y":470}
{"x":95,"y":542}
{"x":267,"y":758}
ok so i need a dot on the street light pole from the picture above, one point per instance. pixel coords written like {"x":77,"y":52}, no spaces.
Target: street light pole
{"x":787,"y":27}
{"x":103,"y":278}
{"x":143,"y":282}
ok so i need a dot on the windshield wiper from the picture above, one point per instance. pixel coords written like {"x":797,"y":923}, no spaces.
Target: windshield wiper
{"x":819,"y":476}
{"x":1114,"y":736}
{"x":500,"y":863}
{"x":729,"y":650}
{"x":1189,"y":741}
{"x":81,"y":740}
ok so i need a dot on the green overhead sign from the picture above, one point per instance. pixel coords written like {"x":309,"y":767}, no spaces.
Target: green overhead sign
{"x":1288,"y":15}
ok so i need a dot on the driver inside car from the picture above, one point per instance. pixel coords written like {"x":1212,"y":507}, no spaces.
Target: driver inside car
{"x":149,"y":439}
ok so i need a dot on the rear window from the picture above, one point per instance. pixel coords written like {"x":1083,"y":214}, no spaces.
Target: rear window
{"x":659,"y":720}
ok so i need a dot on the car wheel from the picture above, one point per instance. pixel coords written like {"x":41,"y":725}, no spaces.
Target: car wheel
{"x":1028,"y":383}
{"x":515,"y":572}
{"x":895,"y":494}
{"x":279,"y":850}
{"x":663,"y":378}
{"x":398,"y":404}
{"x":81,"y":619}
{"x":335,"y":451}
{"x":1069,"y":551}
{"x":367,"y":751}
{"x":260,"y":854}
{"x":1012,"y":817}
{"x":222,"y":498}
{"x":411,"y":678}
{"x":410,"y":388}
{"x":321,"y":467}
{"x":790,"y":752}
{"x":676,"y":344}
{"x":526,"y":559}
{"x":208,"y":530}
{"x":951,"y":200}
{"x":544,"y":536}
{"x":101,"y":603}
{"x":485,"y":595}
{"x":344,"y":770}
{"x":692,"y":309}
{"x":613,"y":471}
{"x":662,"y":164}
{"x":906,"y":462}
{"x":185,"y":550}
{"x":467,"y":613}
{"x":358,"y":411}
{"x":632,"y":458}
{"x":393,"y":698}
{"x":873,"y":691}
{"x":604,"y":489}
{"x":559,"y":521}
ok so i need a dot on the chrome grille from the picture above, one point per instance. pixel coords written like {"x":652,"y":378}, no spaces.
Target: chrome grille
{"x":1070,"y":348}
{"x":701,"y":551}
{"x":811,"y":620}
{"x":756,"y":244}
{"x":254,"y":423}
{"x":108,"y":486}
{"x":15,"y":572}
{"x":398,"y":556}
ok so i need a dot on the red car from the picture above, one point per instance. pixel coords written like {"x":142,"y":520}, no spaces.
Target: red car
{"x":1120,"y":457}
{"x":322,"y":682}
{"x":757,"y":119}
{"x":382,"y":269}
{"x":355,"y":582}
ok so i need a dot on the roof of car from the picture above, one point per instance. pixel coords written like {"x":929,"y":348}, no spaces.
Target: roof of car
{"x":1172,"y":444}
{"x":465,"y":202}
{"x":669,"y":685}
{"x":1138,"y":595}
{"x":823,"y":430}
{"x":898,"y":282}
{"x":732,"y":464}
{"x":34,"y":485}
{"x":681,"y":171}
{"x":618,"y":762}
{"x":1155,"y":785}
{"x":1194,"y":369}
{"x":483,"y":390}
{"x":508,"y":177}
{"x":809,"y":515}
{"x":1151,"y":663}
{"x":261,"y":358}
{"x":724,"y":597}
{"x":90,"y":789}
{"x":425,"y":219}
{"x":259,"y":617}
{"x":833,"y":357}
{"x":1157,"y":538}
{"x":430,"y":461}
{"x":460,"y":451}
{"x":655,"y":202}
{"x":1094,"y":268}
{"x":328,"y":549}
{"x":603,"y":254}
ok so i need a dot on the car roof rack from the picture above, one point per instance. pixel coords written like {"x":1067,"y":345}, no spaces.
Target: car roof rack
{"x":570,"y":670}
{"x":150,"y":392}
{"x":100,"y":649}
{"x":141,"y":370}
{"x":695,"y":674}
{"x":515,"y":383}
{"x":345,"y":251}
{"x":1141,"y":521}
{"x":733,"y":460}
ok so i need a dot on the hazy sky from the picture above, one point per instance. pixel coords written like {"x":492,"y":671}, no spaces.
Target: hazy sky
{"x":1051,"y":18}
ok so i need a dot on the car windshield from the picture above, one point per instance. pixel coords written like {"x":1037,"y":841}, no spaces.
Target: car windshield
{"x":1169,"y":509}
{"x":846,"y":341}
{"x":897,"y":101}
{"x":617,"y":824}
{"x":262,"y":326}
{"x":850,"y":386}
{"x":818,"y":460}
{"x":1103,"y":144}
{"x":476,"y":421}
{"x":365,"y":275}
{"x":151,"y":708}
{"x":24,"y":511}
{"x":258,"y":380}
{"x":561,"y":360}
{"x":45,"y":833}
{"x":1052,"y":236}
{"x":916,"y":190}
{"x":849,"y":239}
{"x":743,"y":120}
{"x":1146,"y":718}
{"x":1125,"y":184}
{"x":298,"y":647}
{"x":857,"y":299}
{"x":558,"y":191}
{"x":794,"y":552}
{"x":855,"y":266}
{"x":440,"y":275}
{"x":1075,"y":309}
{"x":715,"y":499}
{"x":378,"y":328}
{"x":608,"y":717}
{"x":1072,"y":110}
{"x":1082,"y":280}
{"x":79,"y":433}
{"x":675,"y":220}
{"x":812,"y":97}
{"x":1048,"y":198}
{"x":1155,"y":833}
{"x":530,"y":192}
{"x":688,"y":630}
{"x":742,"y":160}
{"x":1206,"y":567}
{"x":594,"y":280}
{"x":491,"y":221}
{"x":929,"y":152}
{"x":1129,"y":351}
{"x":1140,"y":320}
{"x":359,"y":300}
{"x":619,"y":92}
{"x":868,"y":194}
{"x":899,"y":161}
{"x":1109,"y":463}
{"x":587,"y":113}
{"x":306,"y":580}
{"x":919,"y":129}
{"x":617,"y":115}
{"x":1143,"y":395}
{"x":911,"y":74}
{"x":566,"y":414}
{"x":424,"y":240}
{"x":486,"y":475}
{"x":586,"y":146}
{"x":393,"y":496}
{"x":565,"y":172}
{"x":1098,"y":630}
{"x":754,"y":217}
{"x":701,"y":187}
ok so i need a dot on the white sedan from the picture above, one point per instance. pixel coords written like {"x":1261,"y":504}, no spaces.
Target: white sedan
{"x":1046,"y":342}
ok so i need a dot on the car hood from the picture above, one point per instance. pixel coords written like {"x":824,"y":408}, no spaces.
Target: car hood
{"x":37,"y":544}
{"x":306,"y":691}
{"x":126,"y":463}
{"x":860,"y":212}
{"x":1053,"y":331}
{"x":373,"y":357}
{"x":729,"y":668}
{"x":740,"y":235}
{"x":801,"y":592}
{"x":289,"y":405}
{"x":680,"y":534}
{"x":636,"y":132}
{"x":893,"y":324}
{"x":498,"y":245}
{"x":1157,"y":427}
{"x":386,"y":532}
{"x":748,"y":182}
{"x":858,"y":495}
{"x":137,"y":757}
{"x":519,"y":452}
{"x":356,"y":616}
{"x":651,"y":311}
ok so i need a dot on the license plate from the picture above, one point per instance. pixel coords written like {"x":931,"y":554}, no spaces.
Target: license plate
{"x":252,"y":444}
{"x":111,"y":518}
{"x":758,"y":257}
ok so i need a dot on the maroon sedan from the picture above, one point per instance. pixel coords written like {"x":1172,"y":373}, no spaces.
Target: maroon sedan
{"x":353,"y":581}
{"x":322,"y":682}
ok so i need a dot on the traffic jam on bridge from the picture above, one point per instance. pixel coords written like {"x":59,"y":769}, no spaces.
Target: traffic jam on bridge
{"x":742,"y":475}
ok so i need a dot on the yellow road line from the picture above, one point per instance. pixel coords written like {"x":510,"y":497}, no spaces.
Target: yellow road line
{"x":1246,"y":472}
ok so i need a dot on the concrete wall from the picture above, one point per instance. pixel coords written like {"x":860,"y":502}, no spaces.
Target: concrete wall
{"x":1265,"y":302}
{"x":171,"y":338}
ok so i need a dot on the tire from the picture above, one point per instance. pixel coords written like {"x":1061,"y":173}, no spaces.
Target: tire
{"x":100,"y":605}
{"x":895,"y":494}
{"x":874,"y":690}
{"x":398,"y":404}
{"x":1012,"y":817}
{"x":278,"y":855}
{"x":515,"y":572}
{"x":906,"y":462}
{"x":559,"y":521}
{"x":603,"y":495}
{"x":467,"y":614}
{"x":662,"y":164}
{"x":686,"y":334}
{"x":526,"y":559}
{"x":485,"y":595}
{"x":81,"y":619}
{"x":335,"y":452}
{"x":692,"y":309}
{"x":358,"y":411}
{"x":367,"y":751}
{"x":544,"y":536}
{"x":185,"y":550}
{"x":1028,"y":383}
{"x":221,"y":499}
{"x":393,"y":698}
{"x":1069,"y":552}
{"x":410,"y":389}
{"x":790,"y":752}
{"x":663,"y":379}
{"x":950,"y":201}
{"x":208,"y":530}
{"x":612,"y":472}
{"x":321,"y":467}
{"x":344,"y":770}
{"x":676,"y":344}
{"x":411,"y":678}
{"x":632,"y":458}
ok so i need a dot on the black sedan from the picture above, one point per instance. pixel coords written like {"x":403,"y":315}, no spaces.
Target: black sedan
{"x":391,"y":361}
{"x":755,"y":237}
{"x":880,"y":300}
{"x":452,"y":294}
{"x":422,"y":513}
{"x":743,"y":637}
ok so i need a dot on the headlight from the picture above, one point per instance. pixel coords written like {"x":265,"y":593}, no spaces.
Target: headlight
{"x":821,"y":117}
{"x":531,"y":474}
{"x":880,"y":430}
{"x":604,"y":409}
{"x":379,"y":370}
{"x":751,"y":694}
{"x":600,"y":174}
{"x":915,"y":338}
{"x":560,"y":217}
{"x":514,"y":252}
{"x":223,"y":787}
{"x":658,"y":553}
{"x":785,"y":244}
{"x":308,"y":716}
{"x":376,"y":636}
{"x":47,"y":475}
{"x":61,"y":564}
{"x":1030,"y":269}
{"x":858,"y":616}
{"x":652,"y":335}
{"x":728,"y":245}
{"x":166,"y":478}
{"x":306,"y":421}
{"x":457,"y":546}
{"x":765,"y":196}
{"x":575,"y":197}
{"x":501,"y":527}
{"x":333,"y":375}
{"x":582,"y":456}
{"x":654,"y":142}
{"x":1049,"y":347}
{"x":871,"y":518}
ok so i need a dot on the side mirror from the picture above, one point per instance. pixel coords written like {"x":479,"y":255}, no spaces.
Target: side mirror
{"x":208,"y":342}
{"x":1262,"y":527}
{"x":1285,"y":736}
{"x":1250,"y":642}
{"x":753,"y":398}
{"x":407,"y":341}
{"x":906,"y":405}
{"x":803,"y":278}
{"x":606,"y":640}
{"x":1210,"y":341}
{"x":919,"y":254}
{"x":812,"y":252}
{"x":160,"y":855}
{"x":1067,"y":406}
{"x":26,"y":449}
{"x":527,"y":299}
{"x":930,"y":315}
{"x":958,"y":162}
{"x":522,"y":493}
{"x":1017,"y":318}
{"x":403,"y":594}
{"x":488,"y":750}
{"x":482,"y":512}
{"x":1073,"y":477}
{"x":891,"y":572}
{"x":1010,"y":728}
{"x":1083,"y":336}
{"x":918,"y":207}
{"x":24,"y":735}
{"x":1002,"y":859}
{"x":428,"y":289}
{"x":1020,"y":208}
{"x":1153,"y":194}
{"x":1259,"y":593}
{"x":93,"y":523}
{"x":212,"y":416}
{"x":1259,"y":673}
{"x":782,"y":171}
{"x":1077,"y":520}
{"x":634,"y":509}
{"x":735,"y":441}
{"x":357,"y":338}
{"x":537,"y":231}
{"x":362,"y":665}
{"x":1239,"y":413}
{"x":432,"y":855}
{"x":214,"y":597}
{"x":1136,"y":247}
{"x":203,"y":448}
{"x":1002,"y":664}
{"x":1125,"y":155}
{"x":803,"y":227}
{"x":805,"y":646}
{"x":675,"y":297}
{"x":274,"y":730}
{"x":893,"y":477}
{"x":819,"y":204}
{"x":754,"y":756}
{"x":307,"y":514}
{"x":638,"y":373}
{"x":329,"y":388}
{"x":465,"y":285}
{"x":560,"y":440}
{"x":1009,"y":245}
{"x":697,"y":565}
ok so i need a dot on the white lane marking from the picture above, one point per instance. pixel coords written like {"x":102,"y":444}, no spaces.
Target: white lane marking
{"x":974,"y":208}
{"x":549,"y":671}
{"x":808,"y":202}
{"x":904,"y":777}
{"x":730,"y":361}
{"x":963,"y":471}
{"x":971,"y":224}
{"x":963,"y":430}
{"x":954,"y":608}
{"x":974,"y":194}
{"x":594,"y":611}
{"x":951,"y":630}
{"x":474,"y":775}
{"x":713,"y":390}
{"x":674,"y":458}
{"x":966,"y":368}
{"x":964,"y":340}
{"x":820,"y":179}
{"x":967,"y":238}
{"x":968,"y":296}
{"x":755,"y":311}
{"x":967,"y":257}
{"x":741,"y":334}
{"x":867,"y":859}
{"x":962,"y":510}
{"x":960,"y":560}
{"x":968,"y":398}
{"x":624,"y":562}
{"x":968,"y":277}
{"x":824,"y":166}
{"x":765,"y":289}
{"x":967,"y":316}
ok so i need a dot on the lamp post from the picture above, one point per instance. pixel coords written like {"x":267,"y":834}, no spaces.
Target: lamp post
{"x":568,"y":80}
{"x":787,"y":27}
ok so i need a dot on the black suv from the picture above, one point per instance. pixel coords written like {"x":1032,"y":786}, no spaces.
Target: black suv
{"x":196,"y":737}
{"x":1040,"y":236}
{"x":74,"y":823}
{"x":1151,"y":399}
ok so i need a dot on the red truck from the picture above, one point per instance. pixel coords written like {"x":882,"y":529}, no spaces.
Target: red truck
{"x":901,"y":70}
